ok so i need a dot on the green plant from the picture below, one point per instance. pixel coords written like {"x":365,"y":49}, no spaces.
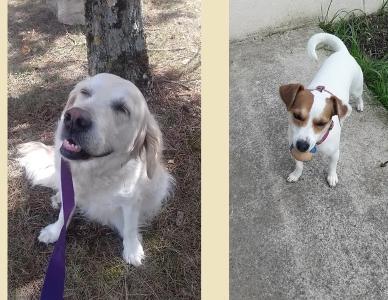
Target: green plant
{"x":357,"y":30}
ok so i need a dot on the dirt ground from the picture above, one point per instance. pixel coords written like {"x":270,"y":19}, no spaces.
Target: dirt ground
{"x":46,"y":59}
{"x":374,"y":41}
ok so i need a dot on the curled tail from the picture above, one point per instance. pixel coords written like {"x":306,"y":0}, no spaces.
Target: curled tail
{"x":324,"y":38}
{"x":38,"y":161}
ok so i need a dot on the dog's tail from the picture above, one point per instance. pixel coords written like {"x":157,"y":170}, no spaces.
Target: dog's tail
{"x":39,"y":163}
{"x":324,"y":38}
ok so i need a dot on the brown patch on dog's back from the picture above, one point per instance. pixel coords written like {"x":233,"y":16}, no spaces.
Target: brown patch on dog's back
{"x":301,"y":107}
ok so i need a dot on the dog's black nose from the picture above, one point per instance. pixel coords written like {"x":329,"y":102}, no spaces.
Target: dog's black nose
{"x":77,"y":119}
{"x":302,"y":146}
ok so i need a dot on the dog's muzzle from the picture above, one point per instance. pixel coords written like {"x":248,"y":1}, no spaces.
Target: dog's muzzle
{"x":76,"y":122}
{"x":302,"y":146}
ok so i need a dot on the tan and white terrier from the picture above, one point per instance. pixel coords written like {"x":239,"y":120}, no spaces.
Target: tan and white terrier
{"x":316,"y":113}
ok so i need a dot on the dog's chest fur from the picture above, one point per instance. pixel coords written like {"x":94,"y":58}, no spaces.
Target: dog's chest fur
{"x":100,"y":194}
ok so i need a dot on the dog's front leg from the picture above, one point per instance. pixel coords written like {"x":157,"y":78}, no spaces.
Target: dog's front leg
{"x":332,"y":177}
{"x":50,"y":233}
{"x":294,"y":176}
{"x":133,"y":250}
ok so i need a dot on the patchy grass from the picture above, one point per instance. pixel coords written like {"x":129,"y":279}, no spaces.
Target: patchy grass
{"x":46,"y":59}
{"x":366,"y":37}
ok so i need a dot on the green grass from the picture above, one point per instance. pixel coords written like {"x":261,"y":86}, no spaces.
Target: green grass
{"x":357,"y":30}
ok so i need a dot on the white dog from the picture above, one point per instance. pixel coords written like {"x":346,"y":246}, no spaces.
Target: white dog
{"x":316,"y":113}
{"x":113,"y":146}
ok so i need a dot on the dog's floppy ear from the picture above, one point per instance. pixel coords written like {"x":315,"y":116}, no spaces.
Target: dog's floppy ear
{"x":138,"y":144}
{"x":153,"y":146}
{"x":288,"y":93}
{"x":339,"y":108}
{"x":149,"y":139}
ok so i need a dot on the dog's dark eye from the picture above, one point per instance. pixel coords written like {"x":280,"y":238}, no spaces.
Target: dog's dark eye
{"x":85,"y":92}
{"x":321,"y":124}
{"x":298,"y":117}
{"x":120,"y":107}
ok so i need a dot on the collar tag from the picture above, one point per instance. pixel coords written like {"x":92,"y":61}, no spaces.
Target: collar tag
{"x":320,"y":88}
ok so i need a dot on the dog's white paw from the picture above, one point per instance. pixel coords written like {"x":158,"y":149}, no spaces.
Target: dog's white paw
{"x":360,"y":107}
{"x":293,"y":177}
{"x":49,"y":234}
{"x":56,"y":201}
{"x":133,"y":253}
{"x":332,"y":180}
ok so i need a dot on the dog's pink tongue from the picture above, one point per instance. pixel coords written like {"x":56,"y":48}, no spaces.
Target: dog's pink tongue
{"x":71,"y":147}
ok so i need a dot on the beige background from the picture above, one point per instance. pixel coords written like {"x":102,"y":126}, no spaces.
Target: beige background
{"x":215,"y":150}
{"x":251,"y":16}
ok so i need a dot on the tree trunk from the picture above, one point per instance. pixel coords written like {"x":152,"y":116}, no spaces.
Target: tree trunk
{"x":115,"y":40}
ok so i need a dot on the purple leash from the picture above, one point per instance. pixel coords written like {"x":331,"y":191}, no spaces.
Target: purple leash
{"x":54,"y":282}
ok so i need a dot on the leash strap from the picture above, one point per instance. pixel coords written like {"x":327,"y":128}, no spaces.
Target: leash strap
{"x":54,"y":282}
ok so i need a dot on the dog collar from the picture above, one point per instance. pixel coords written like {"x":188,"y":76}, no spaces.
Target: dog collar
{"x":321,"y":88}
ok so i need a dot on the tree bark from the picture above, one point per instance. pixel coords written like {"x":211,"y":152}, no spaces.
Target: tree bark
{"x":115,"y":40}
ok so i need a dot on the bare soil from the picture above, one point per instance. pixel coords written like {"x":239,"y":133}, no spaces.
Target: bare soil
{"x":374,"y":41}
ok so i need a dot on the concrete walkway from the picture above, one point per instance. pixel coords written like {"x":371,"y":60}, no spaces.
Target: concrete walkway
{"x":301,"y":240}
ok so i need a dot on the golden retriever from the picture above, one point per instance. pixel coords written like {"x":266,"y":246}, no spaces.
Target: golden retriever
{"x":113,"y":145}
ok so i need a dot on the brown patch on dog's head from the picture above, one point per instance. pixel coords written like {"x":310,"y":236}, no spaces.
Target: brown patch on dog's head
{"x":324,"y":119}
{"x":298,"y":101}
{"x":334,"y":107}
{"x":288,"y":93}
{"x":339,"y":108}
